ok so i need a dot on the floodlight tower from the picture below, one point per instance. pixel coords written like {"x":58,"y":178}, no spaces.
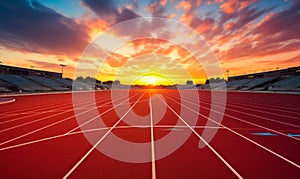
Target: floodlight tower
{"x":62,"y":69}
{"x":227,"y":71}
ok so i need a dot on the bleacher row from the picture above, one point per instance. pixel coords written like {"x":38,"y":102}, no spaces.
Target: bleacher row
{"x":12,"y":82}
{"x":259,"y":84}
{"x":26,"y":83}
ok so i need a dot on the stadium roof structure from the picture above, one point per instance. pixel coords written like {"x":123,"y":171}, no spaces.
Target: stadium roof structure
{"x":293,"y":71}
{"x":6,"y":69}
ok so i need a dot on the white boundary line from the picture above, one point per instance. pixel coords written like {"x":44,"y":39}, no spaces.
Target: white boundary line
{"x":9,"y":101}
{"x":235,"y":100}
{"x":68,"y":107}
{"x":240,"y":135}
{"x":258,"y":116}
{"x":99,"y":129}
{"x":113,"y":107}
{"x":99,"y":141}
{"x":267,"y":112}
{"x":45,"y":106}
{"x":50,"y":125}
{"x":206,"y":143}
{"x":253,"y":124}
{"x":152,"y":139}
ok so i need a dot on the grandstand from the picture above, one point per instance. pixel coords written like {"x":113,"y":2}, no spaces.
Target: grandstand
{"x":256,"y":83}
{"x":16,"y":79}
{"x":5,"y":87}
{"x":277,"y":80}
{"x":65,"y":82}
{"x":237,"y":84}
{"x":288,"y":84}
{"x":23,"y":83}
{"x":50,"y":83}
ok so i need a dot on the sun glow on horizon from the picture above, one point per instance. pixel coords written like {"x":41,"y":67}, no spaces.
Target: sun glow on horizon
{"x":152,"y":80}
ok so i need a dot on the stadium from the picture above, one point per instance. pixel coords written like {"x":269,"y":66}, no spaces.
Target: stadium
{"x":22,"y":80}
{"x":158,"y":89}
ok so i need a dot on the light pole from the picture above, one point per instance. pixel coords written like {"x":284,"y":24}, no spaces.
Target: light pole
{"x":62,"y":69}
{"x":227,"y":71}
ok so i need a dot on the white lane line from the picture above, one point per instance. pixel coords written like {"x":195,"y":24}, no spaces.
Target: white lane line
{"x":152,"y":139}
{"x":8,"y":101}
{"x":35,"y":108}
{"x":99,"y":129}
{"x":86,"y":122}
{"x":251,"y":104}
{"x":258,"y":116}
{"x":43,"y":118}
{"x":255,"y":106}
{"x":50,"y":125}
{"x":244,"y":121}
{"x":26,"y":108}
{"x":251,"y":109}
{"x":63,"y":106}
{"x":207,"y":144}
{"x":253,"y":142}
{"x":100,"y":140}
{"x":86,"y":104}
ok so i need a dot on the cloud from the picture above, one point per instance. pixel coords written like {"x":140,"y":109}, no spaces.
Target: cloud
{"x":278,"y":33}
{"x":231,"y":6}
{"x":126,"y":14}
{"x":45,"y":65}
{"x":110,"y":10}
{"x":116,"y":60}
{"x":293,"y":59}
{"x":247,"y":16}
{"x":156,"y":9}
{"x":202,"y":25}
{"x":285,"y":22}
{"x":102,"y":8}
{"x":31,"y":26}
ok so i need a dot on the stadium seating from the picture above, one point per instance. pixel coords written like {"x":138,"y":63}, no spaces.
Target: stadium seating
{"x":4,"y":87}
{"x":4,"y":90}
{"x":288,"y":84}
{"x":64,"y":82}
{"x":50,"y":83}
{"x":237,"y":84}
{"x":23,"y":83}
{"x":257,"y":83}
{"x":79,"y":85}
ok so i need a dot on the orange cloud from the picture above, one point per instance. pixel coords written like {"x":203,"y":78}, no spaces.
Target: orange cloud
{"x":214,"y":1}
{"x":171,"y":16}
{"x":228,"y":26}
{"x":205,"y":26}
{"x":163,"y":2}
{"x":186,"y":5}
{"x":267,"y":18}
{"x":186,"y":18}
{"x":145,"y":47}
{"x":95,"y":25}
{"x":231,"y":6}
{"x":116,"y":60}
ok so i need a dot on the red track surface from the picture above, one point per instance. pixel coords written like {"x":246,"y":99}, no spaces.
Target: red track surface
{"x":33,"y":141}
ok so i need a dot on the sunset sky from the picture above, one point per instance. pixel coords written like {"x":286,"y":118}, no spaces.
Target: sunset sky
{"x":246,"y":36}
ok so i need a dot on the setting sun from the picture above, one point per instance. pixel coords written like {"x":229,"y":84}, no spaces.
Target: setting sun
{"x":152,"y":80}
{"x":149,"y":79}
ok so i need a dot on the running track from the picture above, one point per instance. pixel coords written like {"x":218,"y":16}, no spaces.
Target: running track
{"x":40,"y":137}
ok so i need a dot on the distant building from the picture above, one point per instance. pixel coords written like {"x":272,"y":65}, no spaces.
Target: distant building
{"x":189,"y":82}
